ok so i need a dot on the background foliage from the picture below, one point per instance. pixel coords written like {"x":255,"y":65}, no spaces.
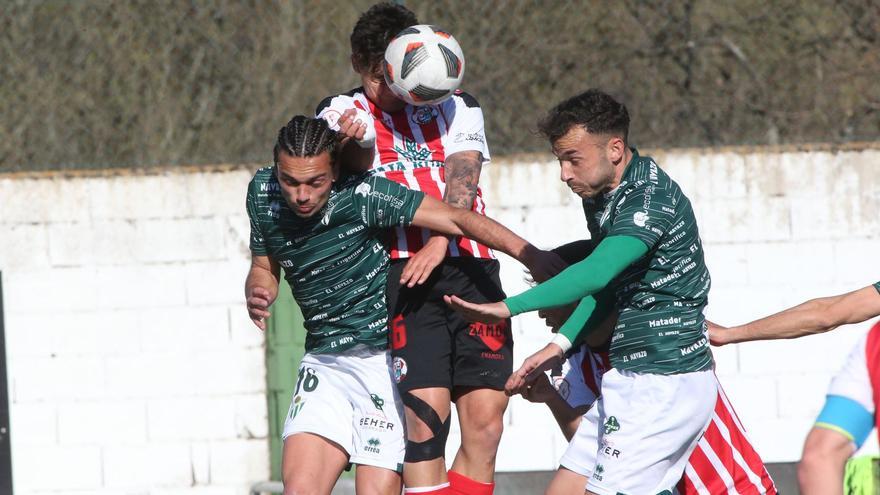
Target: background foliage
{"x":103,"y":83}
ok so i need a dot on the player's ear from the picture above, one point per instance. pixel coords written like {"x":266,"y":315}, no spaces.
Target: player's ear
{"x":334,"y":169}
{"x":616,"y":149}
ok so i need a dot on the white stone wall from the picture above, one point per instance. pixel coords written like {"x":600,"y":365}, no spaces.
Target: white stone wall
{"x":133,"y":367}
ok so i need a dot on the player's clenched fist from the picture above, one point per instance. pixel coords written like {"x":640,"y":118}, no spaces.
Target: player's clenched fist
{"x":358,"y":125}
{"x":258,"y":302}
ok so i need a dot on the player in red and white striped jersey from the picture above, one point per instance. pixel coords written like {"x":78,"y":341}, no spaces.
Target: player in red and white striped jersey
{"x":438,"y":356}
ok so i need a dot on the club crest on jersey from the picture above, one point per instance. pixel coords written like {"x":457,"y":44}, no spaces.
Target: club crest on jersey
{"x":399,"y":366}
{"x":412,"y":152}
{"x":423,"y":115}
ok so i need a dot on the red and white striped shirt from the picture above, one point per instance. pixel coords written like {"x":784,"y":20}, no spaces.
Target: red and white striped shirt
{"x":724,"y":460}
{"x":411,"y":149}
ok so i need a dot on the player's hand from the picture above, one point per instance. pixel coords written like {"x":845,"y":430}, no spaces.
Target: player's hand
{"x":535,"y":365}
{"x":258,"y":302}
{"x":485,"y":313}
{"x":543,"y":264}
{"x":540,"y":390}
{"x":718,"y":335}
{"x":357,"y":125}
{"x":420,"y":265}
{"x":555,"y":317}
{"x":350,"y":126}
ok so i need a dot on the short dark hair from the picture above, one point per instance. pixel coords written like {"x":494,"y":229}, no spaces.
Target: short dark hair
{"x":374,"y":30}
{"x":305,"y":136}
{"x":596,"y":111}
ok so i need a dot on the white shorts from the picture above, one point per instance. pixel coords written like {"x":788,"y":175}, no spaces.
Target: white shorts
{"x":351,"y":399}
{"x":645,"y":427}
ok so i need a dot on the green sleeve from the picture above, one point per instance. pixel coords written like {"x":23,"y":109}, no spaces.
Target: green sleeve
{"x":589,"y":314}
{"x":257,"y":241}
{"x":877,"y":286}
{"x":580,"y":280}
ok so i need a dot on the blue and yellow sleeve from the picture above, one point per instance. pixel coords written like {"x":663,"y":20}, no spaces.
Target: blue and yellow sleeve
{"x":847,"y":417}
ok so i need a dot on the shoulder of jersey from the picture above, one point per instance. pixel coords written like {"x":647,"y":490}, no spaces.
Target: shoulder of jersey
{"x":466,"y":98}
{"x":262,"y":176}
{"x":328,"y":100}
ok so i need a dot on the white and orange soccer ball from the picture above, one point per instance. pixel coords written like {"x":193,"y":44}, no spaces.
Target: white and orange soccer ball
{"x":424,"y":65}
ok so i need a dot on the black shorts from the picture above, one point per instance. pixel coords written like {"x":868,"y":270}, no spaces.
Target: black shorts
{"x":432,"y":345}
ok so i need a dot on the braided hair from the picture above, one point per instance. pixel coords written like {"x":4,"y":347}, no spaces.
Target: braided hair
{"x":304,"y":136}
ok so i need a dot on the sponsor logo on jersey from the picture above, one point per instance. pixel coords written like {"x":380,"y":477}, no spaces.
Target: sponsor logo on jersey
{"x":363,"y":189}
{"x":693,"y":347}
{"x":296,"y":407}
{"x":605,"y":214}
{"x":597,"y":473}
{"x":274,"y":209}
{"x":375,"y":423}
{"x":476,"y":137}
{"x":270,"y":187}
{"x":399,"y":366}
{"x":372,"y":445}
{"x":332,"y":117}
{"x":664,"y":279}
{"x":608,"y":448}
{"x":378,"y":401}
{"x":325,"y":220}
{"x":352,"y":230}
{"x":423,"y":115}
{"x":286,"y":263}
{"x":412,"y":151}
{"x":640,"y":218}
{"x":662,"y":322}
{"x":611,"y":425}
{"x":493,"y":335}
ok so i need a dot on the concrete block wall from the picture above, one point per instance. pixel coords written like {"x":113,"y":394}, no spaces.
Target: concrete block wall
{"x":132,"y":365}
{"x":779,"y":226}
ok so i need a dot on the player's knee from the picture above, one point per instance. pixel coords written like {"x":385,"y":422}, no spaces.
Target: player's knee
{"x":418,"y":431}
{"x":426,"y":438}
{"x":484,"y":428}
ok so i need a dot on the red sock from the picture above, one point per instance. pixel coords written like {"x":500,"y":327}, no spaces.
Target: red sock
{"x":442,"y":489}
{"x":461,"y":484}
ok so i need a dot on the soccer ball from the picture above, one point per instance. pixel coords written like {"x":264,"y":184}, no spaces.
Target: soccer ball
{"x":423,"y":65}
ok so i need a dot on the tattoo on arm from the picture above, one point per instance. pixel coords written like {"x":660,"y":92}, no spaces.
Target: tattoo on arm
{"x":462,"y":176}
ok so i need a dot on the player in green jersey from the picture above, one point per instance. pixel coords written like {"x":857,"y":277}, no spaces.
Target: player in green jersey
{"x":658,"y":397}
{"x":325,"y":230}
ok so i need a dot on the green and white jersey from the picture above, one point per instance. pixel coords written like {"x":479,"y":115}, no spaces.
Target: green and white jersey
{"x":335,"y":261}
{"x":660,"y":298}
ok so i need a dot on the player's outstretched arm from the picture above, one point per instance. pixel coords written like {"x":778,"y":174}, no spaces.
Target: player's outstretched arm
{"x":811,"y":317}
{"x":261,"y":288}
{"x":436,"y":215}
